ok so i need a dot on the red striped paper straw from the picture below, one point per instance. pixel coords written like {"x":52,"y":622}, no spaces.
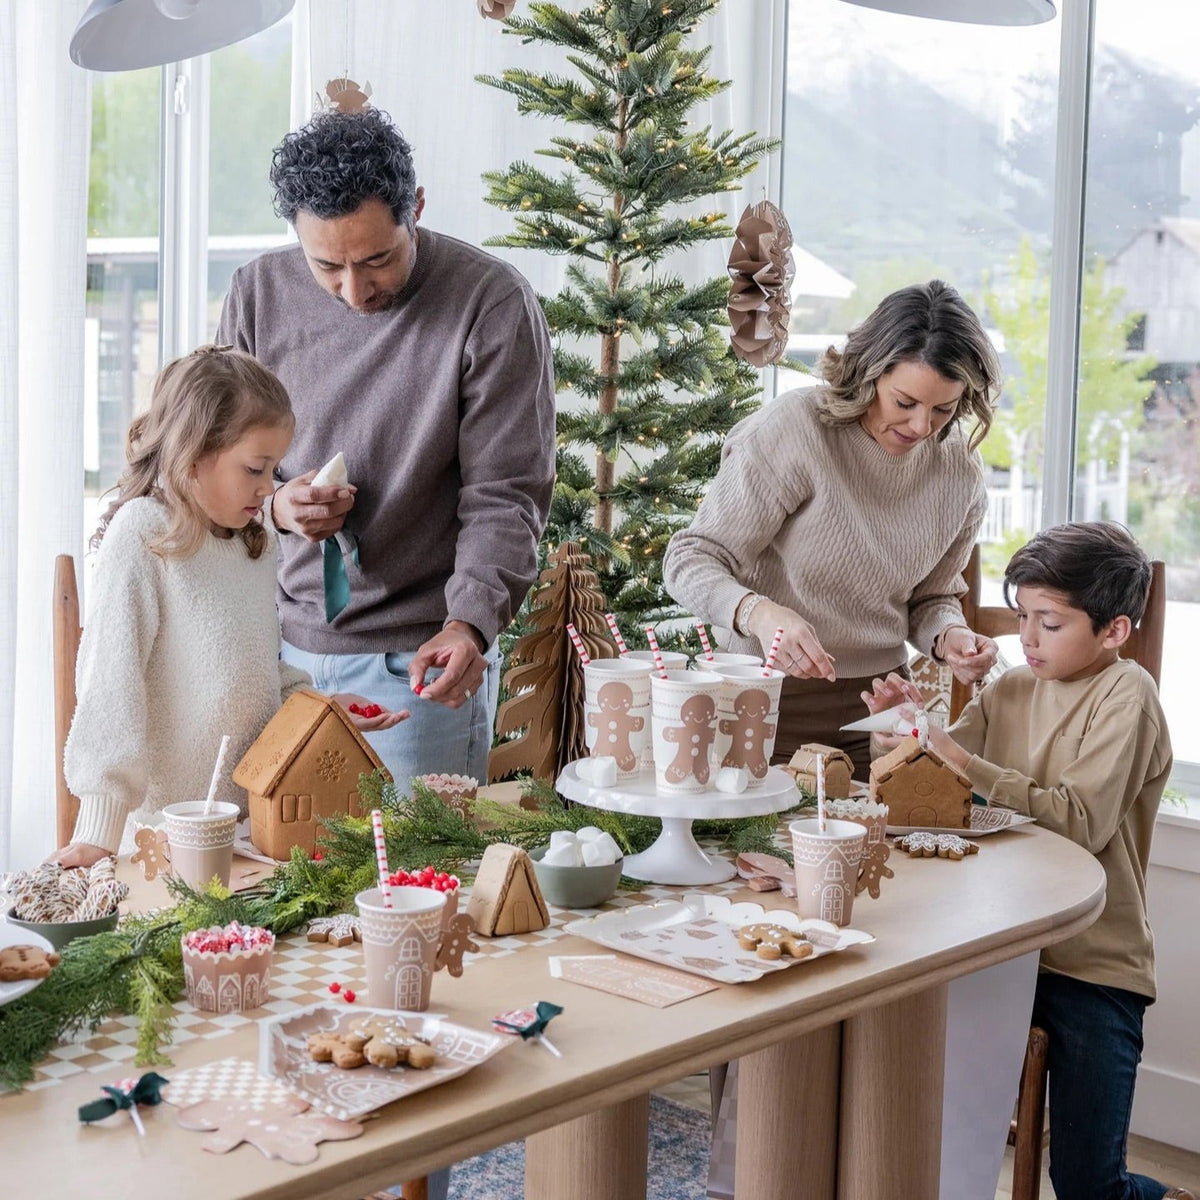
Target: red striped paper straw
{"x":622,"y":649}
{"x":769,"y":665}
{"x":658,"y":658}
{"x":385,"y":888}
{"x":821,"y":792}
{"x":580,"y":649}
{"x":704,"y":640}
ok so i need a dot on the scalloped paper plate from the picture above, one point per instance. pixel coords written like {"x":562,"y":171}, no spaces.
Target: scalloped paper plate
{"x":14,"y":935}
{"x":985,"y":819}
{"x":698,"y":934}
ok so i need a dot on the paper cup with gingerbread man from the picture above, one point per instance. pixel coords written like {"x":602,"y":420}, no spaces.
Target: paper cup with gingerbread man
{"x":683,"y":713}
{"x":747,"y":718}
{"x":616,"y":711}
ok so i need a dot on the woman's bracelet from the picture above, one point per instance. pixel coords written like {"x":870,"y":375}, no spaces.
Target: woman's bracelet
{"x":741,"y":615}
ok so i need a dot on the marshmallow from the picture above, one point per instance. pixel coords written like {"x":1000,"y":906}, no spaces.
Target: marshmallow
{"x":595,"y":854}
{"x":562,"y":837}
{"x":606,"y":845}
{"x":589,"y":833}
{"x":600,"y":771}
{"x":564,"y":855}
{"x":733,"y":779}
{"x":332,"y":474}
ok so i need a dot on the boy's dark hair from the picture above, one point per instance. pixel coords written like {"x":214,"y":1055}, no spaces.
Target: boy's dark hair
{"x":1096,"y":564}
{"x":335,"y":162}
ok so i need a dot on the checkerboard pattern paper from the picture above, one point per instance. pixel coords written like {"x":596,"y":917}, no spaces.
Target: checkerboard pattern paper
{"x":300,"y":975}
{"x":225,"y":1079}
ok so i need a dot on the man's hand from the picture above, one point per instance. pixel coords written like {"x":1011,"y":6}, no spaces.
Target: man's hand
{"x":384,"y":718}
{"x":457,"y":651}
{"x":79,"y":854}
{"x":968,"y":654}
{"x":800,"y":651}
{"x":315,"y":513}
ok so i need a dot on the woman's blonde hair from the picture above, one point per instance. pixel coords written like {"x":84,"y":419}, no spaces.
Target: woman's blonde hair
{"x":202,"y":404}
{"x":928,"y":323}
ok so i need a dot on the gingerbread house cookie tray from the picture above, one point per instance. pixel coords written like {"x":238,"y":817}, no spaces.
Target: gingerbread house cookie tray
{"x":349,"y":1094}
{"x":985,"y":818}
{"x":699,"y":934}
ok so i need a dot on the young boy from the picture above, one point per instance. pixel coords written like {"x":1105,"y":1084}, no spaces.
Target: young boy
{"x":1077,"y":739}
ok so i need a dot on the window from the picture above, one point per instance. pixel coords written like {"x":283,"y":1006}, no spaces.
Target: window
{"x":1138,"y":419}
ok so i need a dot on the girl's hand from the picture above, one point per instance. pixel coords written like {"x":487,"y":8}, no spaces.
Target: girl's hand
{"x":968,"y":654}
{"x":79,"y":854}
{"x":800,"y":651}
{"x":373,"y":718}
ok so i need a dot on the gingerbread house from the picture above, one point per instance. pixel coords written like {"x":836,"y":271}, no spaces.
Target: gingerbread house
{"x":506,"y":898}
{"x":920,"y":788}
{"x":302,"y":768}
{"x":838,"y":769}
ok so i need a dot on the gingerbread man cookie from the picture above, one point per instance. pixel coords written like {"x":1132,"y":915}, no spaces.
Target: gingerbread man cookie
{"x":772,"y":942}
{"x":694,"y":736}
{"x":25,"y":962}
{"x":153,"y":851}
{"x":943,"y":845}
{"x":387,"y":1042}
{"x":749,"y":731}
{"x":613,"y":724}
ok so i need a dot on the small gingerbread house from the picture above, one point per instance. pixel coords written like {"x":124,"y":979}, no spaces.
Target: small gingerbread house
{"x":839,"y":768}
{"x":303,"y":767}
{"x":920,"y":788}
{"x":506,"y":898}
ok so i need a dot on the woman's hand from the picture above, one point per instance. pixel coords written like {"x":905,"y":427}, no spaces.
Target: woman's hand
{"x":968,"y":654}
{"x":800,"y":651}
{"x":887,"y":693}
{"x":79,"y":854}
{"x":383,"y":719}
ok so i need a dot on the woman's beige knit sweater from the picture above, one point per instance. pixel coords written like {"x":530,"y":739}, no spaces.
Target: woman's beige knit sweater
{"x":867,"y":546}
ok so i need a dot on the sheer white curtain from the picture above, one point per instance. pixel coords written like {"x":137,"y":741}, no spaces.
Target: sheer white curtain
{"x":421,"y":60}
{"x":43,"y":249}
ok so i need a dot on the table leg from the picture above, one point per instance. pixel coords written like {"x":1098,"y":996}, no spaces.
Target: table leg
{"x":788,"y":1119}
{"x":599,"y":1156}
{"x":890,"y":1131}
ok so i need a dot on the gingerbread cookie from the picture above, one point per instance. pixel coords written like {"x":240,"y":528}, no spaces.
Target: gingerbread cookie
{"x":25,"y":962}
{"x":694,"y":736}
{"x":338,"y":1049}
{"x":749,"y":731}
{"x":772,"y":942}
{"x":380,"y":1041}
{"x":613,"y":724}
{"x":341,"y":930}
{"x":943,"y":845}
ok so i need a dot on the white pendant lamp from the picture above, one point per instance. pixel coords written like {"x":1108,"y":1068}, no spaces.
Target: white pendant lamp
{"x":125,"y":35}
{"x":971,"y":12}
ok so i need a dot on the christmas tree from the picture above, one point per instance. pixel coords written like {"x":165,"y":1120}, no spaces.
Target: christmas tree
{"x":645,"y":355}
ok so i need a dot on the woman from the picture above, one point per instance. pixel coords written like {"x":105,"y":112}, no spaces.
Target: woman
{"x":844,"y":513}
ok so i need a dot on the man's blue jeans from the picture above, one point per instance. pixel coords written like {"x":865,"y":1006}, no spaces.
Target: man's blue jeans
{"x":435,"y":738}
{"x":1095,"y":1044}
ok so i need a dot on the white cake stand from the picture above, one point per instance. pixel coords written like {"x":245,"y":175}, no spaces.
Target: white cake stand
{"x":675,"y":858}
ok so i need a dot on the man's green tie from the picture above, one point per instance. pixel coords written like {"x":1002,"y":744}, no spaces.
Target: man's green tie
{"x":337,"y":582}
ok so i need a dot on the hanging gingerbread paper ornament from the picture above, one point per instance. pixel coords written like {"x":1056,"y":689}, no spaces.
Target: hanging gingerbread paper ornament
{"x":345,"y":96}
{"x":498,"y":10}
{"x":761,"y":268}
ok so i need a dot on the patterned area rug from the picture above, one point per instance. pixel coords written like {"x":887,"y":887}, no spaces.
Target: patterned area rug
{"x":679,"y":1139}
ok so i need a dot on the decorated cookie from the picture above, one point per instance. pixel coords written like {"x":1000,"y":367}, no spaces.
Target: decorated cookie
{"x":943,"y":845}
{"x":25,"y":962}
{"x":345,"y":1053}
{"x":337,"y":931}
{"x":388,"y":1043}
{"x":772,"y":942}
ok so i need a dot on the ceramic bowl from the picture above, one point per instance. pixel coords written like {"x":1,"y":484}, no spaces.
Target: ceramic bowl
{"x":59,"y":933}
{"x":576,"y":887}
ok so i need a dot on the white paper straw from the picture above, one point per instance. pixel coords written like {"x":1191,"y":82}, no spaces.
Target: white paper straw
{"x":821,"y":792}
{"x":216,"y":776}
{"x":385,"y":887}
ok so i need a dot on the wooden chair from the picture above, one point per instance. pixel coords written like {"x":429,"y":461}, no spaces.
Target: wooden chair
{"x":67,"y":632}
{"x":1027,"y":1133}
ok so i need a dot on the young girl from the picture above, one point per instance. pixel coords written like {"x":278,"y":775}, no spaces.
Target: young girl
{"x":181,"y":644}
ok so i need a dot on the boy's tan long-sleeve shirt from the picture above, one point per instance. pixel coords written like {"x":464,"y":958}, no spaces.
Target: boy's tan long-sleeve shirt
{"x":1089,"y":759}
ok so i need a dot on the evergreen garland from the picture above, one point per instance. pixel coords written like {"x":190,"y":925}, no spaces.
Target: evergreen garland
{"x":138,"y":967}
{"x":646,"y":353}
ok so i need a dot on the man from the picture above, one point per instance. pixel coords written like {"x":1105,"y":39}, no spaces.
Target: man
{"x":427,"y":363}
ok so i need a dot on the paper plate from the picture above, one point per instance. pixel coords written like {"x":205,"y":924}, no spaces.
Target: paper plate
{"x":14,"y":935}
{"x":985,"y":819}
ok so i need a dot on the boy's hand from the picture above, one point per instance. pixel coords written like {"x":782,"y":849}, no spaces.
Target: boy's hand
{"x":942,"y":744}
{"x":79,"y":854}
{"x":968,"y":654}
{"x":368,"y":717}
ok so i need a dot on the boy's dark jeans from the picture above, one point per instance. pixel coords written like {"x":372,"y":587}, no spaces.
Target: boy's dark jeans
{"x":1095,"y":1036}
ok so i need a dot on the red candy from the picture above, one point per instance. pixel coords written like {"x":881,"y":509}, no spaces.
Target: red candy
{"x":335,"y":987}
{"x":366,"y":710}
{"x":428,"y":877}
{"x":349,"y":996}
{"x":233,"y":937}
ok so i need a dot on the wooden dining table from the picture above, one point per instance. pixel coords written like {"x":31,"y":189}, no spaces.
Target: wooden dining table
{"x":840,"y":1072}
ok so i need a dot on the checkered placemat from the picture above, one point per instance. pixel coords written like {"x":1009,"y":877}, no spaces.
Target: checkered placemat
{"x":225,"y":1079}
{"x":300,"y":975}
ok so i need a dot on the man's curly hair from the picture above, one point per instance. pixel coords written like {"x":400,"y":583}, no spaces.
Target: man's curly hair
{"x":335,"y":162}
